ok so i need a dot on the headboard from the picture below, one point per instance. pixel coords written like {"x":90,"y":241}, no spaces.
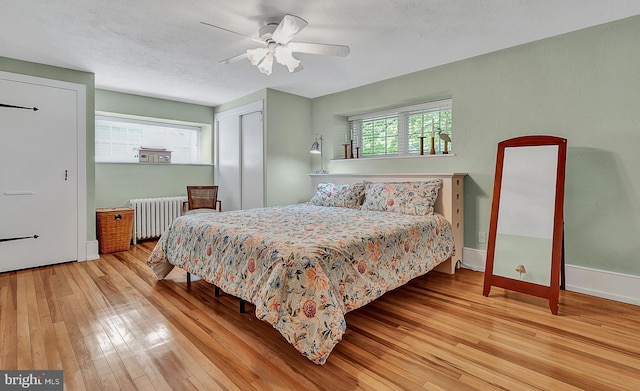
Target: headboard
{"x":450,"y":201}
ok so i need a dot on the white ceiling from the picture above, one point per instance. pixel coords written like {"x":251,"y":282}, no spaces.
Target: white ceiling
{"x":159,"y":48}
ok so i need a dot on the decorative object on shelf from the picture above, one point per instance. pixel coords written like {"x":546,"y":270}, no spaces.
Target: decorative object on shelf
{"x":421,"y":145}
{"x":351,"y":155}
{"x":357,"y":152}
{"x":154,"y":155}
{"x":316,"y":148}
{"x":18,"y":107}
{"x":433,"y":138}
{"x":346,"y":151}
{"x":444,"y":137}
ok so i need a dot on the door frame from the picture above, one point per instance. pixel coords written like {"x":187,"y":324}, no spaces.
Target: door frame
{"x":81,"y":139}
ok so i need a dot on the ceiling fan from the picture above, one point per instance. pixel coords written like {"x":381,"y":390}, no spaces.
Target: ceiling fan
{"x":276,"y":43}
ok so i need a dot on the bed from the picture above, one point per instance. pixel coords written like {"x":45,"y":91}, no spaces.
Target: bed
{"x":305,"y":266}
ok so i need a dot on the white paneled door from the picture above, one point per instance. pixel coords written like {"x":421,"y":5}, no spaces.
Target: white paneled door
{"x":38,"y":174}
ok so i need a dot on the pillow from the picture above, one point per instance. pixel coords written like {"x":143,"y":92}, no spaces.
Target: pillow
{"x":346,"y":196}
{"x":412,"y":198}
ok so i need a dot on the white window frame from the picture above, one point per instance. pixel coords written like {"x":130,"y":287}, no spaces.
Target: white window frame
{"x":196,"y":152}
{"x":402,"y":114}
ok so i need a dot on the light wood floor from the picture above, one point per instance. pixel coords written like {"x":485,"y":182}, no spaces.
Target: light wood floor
{"x":110,"y":325}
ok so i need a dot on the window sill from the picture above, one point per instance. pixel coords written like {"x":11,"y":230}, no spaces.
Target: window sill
{"x":439,"y":155}
{"x":159,"y":164}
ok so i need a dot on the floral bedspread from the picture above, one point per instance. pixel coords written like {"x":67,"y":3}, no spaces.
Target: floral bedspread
{"x":303,"y":266}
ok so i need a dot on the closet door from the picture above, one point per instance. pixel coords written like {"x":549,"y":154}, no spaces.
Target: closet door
{"x":228,"y":162}
{"x":239,"y":148}
{"x":38,"y":175}
{"x":252,"y":175}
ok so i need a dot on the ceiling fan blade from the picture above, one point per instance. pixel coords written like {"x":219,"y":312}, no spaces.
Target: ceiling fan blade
{"x":234,"y":59}
{"x":319,"y":48}
{"x":288,"y":28}
{"x":233,"y":32}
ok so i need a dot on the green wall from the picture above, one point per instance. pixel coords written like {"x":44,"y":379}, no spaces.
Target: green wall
{"x":288,"y":119}
{"x":584,"y":86}
{"x":116,"y":184}
{"x":122,"y":103}
{"x":71,"y":76}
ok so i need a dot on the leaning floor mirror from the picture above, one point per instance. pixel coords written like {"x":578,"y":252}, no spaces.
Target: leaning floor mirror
{"x":525,"y":246}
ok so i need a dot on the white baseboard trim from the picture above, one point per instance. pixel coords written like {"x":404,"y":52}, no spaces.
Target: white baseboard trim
{"x":473,"y":259}
{"x":92,"y":250}
{"x":594,"y":282}
{"x":601,"y":283}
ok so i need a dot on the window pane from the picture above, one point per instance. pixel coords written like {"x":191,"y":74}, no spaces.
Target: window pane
{"x":399,"y":131}
{"x":118,"y":140}
{"x":428,"y":125}
{"x":379,"y":136}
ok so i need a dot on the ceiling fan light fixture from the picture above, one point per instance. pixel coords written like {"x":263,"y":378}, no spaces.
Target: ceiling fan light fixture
{"x":256,"y":55}
{"x":285,"y":57}
{"x":276,"y":38}
{"x":266,"y":65}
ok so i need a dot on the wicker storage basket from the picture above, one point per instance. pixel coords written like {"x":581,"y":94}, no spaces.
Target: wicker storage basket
{"x":114,"y":227}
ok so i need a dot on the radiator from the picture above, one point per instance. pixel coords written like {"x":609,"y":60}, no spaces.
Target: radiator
{"x":152,"y":216}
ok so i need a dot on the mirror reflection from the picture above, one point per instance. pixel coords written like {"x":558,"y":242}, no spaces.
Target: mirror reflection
{"x":523,"y":247}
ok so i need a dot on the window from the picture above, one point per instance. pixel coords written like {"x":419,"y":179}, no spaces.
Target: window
{"x":397,"y":132}
{"x":119,"y":139}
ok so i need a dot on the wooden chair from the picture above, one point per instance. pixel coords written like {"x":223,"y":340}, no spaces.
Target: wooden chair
{"x":202,"y":199}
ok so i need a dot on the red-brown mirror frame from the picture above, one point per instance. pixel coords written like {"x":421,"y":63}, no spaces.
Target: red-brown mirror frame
{"x":551,"y":292}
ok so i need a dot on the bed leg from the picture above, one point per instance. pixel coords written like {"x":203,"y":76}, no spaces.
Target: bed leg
{"x":216,"y":291}
{"x":242,"y":306}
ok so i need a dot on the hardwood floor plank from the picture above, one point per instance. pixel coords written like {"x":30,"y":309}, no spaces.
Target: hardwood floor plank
{"x":109,"y":324}
{"x":22,"y":319}
{"x":144,"y":384}
{"x":82,"y":351}
{"x":107,"y":379}
{"x":201,"y":371}
{"x":113,"y":334}
{"x":412,"y":366}
{"x":38,"y":347}
{"x":72,"y":375}
{"x":48,"y":281}
{"x":592,"y":366}
{"x":8,"y":324}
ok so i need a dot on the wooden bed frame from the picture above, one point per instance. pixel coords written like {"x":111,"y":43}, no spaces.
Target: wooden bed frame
{"x":450,"y":201}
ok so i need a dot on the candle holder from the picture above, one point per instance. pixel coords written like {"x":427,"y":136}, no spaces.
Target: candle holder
{"x":351,"y":149}
{"x":433,"y":146}
{"x":421,"y":145}
{"x":357,"y":152}
{"x":346,"y":155}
